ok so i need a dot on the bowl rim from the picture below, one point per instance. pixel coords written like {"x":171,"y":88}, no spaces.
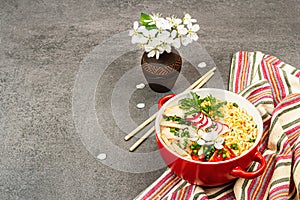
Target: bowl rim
{"x":179,"y":96}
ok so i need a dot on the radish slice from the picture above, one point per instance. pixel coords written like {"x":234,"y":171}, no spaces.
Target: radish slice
{"x":203,"y":123}
{"x":209,"y":123}
{"x":221,"y":128}
{"x":225,"y":128}
{"x":193,"y":117}
{"x":199,"y":119}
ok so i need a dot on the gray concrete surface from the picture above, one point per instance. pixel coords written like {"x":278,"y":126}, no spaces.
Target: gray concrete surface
{"x":42,"y":46}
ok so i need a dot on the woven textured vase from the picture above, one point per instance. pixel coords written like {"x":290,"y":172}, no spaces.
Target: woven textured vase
{"x":161,"y":74}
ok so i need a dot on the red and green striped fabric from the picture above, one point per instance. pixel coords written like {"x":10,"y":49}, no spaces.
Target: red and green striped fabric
{"x":274,"y":88}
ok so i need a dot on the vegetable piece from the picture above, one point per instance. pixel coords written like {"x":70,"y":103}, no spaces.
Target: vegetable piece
{"x":200,"y":120}
{"x":193,"y":117}
{"x":185,"y":133}
{"x":175,"y":131}
{"x":208,"y":151}
{"x":218,"y":155}
{"x":234,"y":146}
{"x":173,"y":119}
{"x":222,"y":154}
{"x":235,"y":105}
{"x":205,"y":124}
{"x":207,"y":105}
{"x":252,"y":140}
{"x":221,"y":128}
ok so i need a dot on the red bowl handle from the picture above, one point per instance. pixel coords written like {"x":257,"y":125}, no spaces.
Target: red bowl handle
{"x":239,"y":172}
{"x":164,"y":99}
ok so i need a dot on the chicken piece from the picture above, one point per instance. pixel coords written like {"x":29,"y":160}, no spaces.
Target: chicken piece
{"x":172,"y":124}
{"x":166,"y":131}
{"x":174,"y":111}
{"x":179,"y":150}
{"x":167,"y":142}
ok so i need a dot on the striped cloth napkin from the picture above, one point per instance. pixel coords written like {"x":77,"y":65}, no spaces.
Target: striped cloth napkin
{"x":274,"y":88}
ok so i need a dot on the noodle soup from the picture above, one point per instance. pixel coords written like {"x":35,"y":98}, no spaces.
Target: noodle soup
{"x":207,"y":129}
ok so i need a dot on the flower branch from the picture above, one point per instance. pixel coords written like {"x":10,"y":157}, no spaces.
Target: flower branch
{"x":157,"y":35}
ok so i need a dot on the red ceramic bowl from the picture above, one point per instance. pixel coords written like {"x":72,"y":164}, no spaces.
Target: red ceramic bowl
{"x":212,"y":173}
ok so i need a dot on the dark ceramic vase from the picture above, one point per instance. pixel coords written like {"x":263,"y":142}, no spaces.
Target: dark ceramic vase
{"x":161,"y":74}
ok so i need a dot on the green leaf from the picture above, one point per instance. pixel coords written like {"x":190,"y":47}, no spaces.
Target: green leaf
{"x":149,"y":27}
{"x":144,"y":17}
{"x":195,"y":97}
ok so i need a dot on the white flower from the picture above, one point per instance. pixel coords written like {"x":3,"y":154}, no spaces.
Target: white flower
{"x":165,"y":47}
{"x":188,"y":19}
{"x":165,"y":41}
{"x":150,"y":34}
{"x":136,"y":29}
{"x":152,"y":45}
{"x":174,"y":21}
{"x":219,"y":143}
{"x":185,"y":40}
{"x":139,"y":39}
{"x":154,"y":18}
{"x":175,"y":40}
{"x":182,"y":30}
{"x":136,"y":33}
{"x":155,"y":52}
{"x":191,"y":33}
{"x":153,"y":48}
{"x":161,"y":34}
{"x":163,"y":24}
{"x":158,"y":45}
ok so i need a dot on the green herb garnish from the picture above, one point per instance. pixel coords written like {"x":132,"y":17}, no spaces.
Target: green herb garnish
{"x":223,"y":153}
{"x":235,"y":105}
{"x":195,"y":146}
{"x":207,"y":105}
{"x":175,"y":131}
{"x":185,"y":142}
{"x":234,"y":146}
{"x":185,"y":133}
{"x":173,"y":118}
{"x":208,"y":151}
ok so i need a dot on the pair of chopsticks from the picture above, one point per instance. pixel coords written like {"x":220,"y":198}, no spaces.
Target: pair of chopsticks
{"x":197,"y":84}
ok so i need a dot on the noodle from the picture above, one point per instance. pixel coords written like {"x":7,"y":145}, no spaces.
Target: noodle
{"x":242,"y":128}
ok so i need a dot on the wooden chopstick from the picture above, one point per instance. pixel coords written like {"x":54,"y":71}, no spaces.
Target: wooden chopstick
{"x":150,"y":119}
{"x":142,"y":139}
{"x":140,"y":127}
{"x":201,"y":79}
{"x":204,"y":79}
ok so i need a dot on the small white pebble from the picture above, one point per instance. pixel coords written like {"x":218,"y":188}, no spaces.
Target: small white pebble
{"x":101,"y":156}
{"x":202,"y":65}
{"x":140,"y":105}
{"x":140,"y":86}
